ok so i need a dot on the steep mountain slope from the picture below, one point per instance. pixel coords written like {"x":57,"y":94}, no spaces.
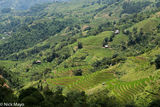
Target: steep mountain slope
{"x":90,"y":17}
{"x":88,"y":45}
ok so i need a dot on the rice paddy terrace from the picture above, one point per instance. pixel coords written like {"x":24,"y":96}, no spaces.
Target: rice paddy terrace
{"x":83,"y":83}
{"x":126,"y":91}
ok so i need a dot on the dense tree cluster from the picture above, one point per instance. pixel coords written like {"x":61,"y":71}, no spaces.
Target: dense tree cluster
{"x":78,"y":72}
{"x":134,"y":7}
{"x":6,"y":94}
{"x":106,"y":62}
{"x":32,"y":97}
{"x":10,"y":77}
{"x":158,"y":4}
{"x":6,"y":10}
{"x":107,"y":26}
{"x":28,"y":36}
{"x":157,"y":62}
{"x":108,"y":2}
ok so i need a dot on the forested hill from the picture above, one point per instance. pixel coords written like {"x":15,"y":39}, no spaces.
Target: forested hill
{"x":80,"y":53}
{"x":23,"y":30}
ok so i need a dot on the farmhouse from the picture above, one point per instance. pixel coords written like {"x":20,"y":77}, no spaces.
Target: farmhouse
{"x":103,"y":83}
{"x":86,"y":27}
{"x":117,"y":31}
{"x":106,"y":46}
{"x":38,"y":62}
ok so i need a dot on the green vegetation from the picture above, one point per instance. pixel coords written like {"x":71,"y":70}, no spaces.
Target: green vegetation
{"x":134,"y":7}
{"x":80,"y":53}
{"x":157,"y":61}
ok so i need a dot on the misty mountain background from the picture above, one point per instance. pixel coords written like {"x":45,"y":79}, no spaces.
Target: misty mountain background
{"x":23,"y":4}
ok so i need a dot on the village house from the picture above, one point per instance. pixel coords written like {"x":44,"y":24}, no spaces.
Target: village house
{"x":106,"y":46}
{"x":38,"y":62}
{"x":117,"y":31}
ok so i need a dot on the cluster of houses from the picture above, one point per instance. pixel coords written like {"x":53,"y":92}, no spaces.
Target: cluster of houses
{"x":6,"y":34}
{"x":115,"y":32}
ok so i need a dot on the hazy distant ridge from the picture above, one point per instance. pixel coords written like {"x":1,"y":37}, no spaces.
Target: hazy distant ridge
{"x":23,"y":4}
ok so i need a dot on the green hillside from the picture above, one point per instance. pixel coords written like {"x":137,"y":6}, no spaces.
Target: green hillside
{"x":81,"y":53}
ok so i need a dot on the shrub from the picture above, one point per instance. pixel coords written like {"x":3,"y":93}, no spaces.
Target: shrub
{"x":80,"y":46}
{"x":52,"y":57}
{"x":78,"y":72}
{"x":157,"y":62}
{"x":31,"y":96}
{"x":105,"y":41}
{"x":76,"y":99}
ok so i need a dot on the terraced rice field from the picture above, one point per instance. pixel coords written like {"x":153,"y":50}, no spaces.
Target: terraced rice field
{"x":62,"y":72}
{"x":92,"y":80}
{"x":65,"y":81}
{"x":82,"y":83}
{"x":126,"y":91}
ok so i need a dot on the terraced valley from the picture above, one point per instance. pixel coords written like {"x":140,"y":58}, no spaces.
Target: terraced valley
{"x":80,"y":53}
